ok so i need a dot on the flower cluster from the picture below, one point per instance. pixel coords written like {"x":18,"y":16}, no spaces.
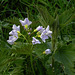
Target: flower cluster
{"x":43,"y":33}
{"x":40,"y":32}
{"x":16,"y":30}
{"x":14,"y":34}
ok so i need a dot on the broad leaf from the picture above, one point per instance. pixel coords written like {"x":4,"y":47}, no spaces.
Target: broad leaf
{"x":65,"y":54}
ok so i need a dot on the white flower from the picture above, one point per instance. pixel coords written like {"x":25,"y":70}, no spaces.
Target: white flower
{"x":47,"y":51}
{"x":45,"y":34}
{"x":42,"y":30}
{"x":12,"y":39}
{"x":14,"y":31}
{"x":48,"y":32}
{"x":25,"y":22}
{"x":38,"y":28}
{"x":17,"y":28}
{"x":35,"y":41}
{"x":14,"y":34}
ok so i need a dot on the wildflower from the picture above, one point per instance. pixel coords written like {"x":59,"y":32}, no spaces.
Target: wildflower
{"x":25,"y":23}
{"x":35,"y":41}
{"x":12,"y":39}
{"x":47,"y":51}
{"x":17,"y":28}
{"x":48,"y":32}
{"x":14,"y":34}
{"x":42,"y":30}
{"x":14,"y":31}
{"x":38,"y":28}
{"x":45,"y":34}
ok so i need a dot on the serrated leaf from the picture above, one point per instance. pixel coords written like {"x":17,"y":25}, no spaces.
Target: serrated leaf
{"x":66,"y":55}
{"x":66,"y":17}
{"x":45,"y":15}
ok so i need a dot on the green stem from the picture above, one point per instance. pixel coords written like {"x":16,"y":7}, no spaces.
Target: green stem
{"x":25,"y":38}
{"x":53,"y":46}
{"x":32,"y":64}
{"x":32,"y":33}
{"x":54,"y":37}
{"x":32,"y":60}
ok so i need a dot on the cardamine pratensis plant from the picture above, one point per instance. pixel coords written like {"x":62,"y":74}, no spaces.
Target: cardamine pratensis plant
{"x":30,"y":38}
{"x":58,"y":57}
{"x":40,"y":32}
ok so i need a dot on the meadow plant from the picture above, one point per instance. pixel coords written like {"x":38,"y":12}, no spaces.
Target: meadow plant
{"x":45,"y":46}
{"x":42,"y":33}
{"x":41,"y":43}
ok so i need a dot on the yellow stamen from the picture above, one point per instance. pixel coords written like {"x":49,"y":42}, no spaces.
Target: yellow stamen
{"x":44,"y":52}
{"x":18,"y":32}
{"x":39,"y":35}
{"x":35,"y":30}
{"x":26,"y":26}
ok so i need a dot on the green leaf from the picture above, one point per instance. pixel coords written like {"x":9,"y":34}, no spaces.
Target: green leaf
{"x":65,"y":54}
{"x":45,"y":16}
{"x":13,"y":20}
{"x":22,"y":48}
{"x":4,"y":56}
{"x":66,"y":17}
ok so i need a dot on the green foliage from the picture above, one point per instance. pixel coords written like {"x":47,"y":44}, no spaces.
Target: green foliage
{"x":13,"y":20}
{"x":45,"y":59}
{"x":4,"y":26}
{"x":45,"y":18}
{"x":39,"y":49}
{"x":66,"y":17}
{"x":65,"y":54}
{"x":4,"y":56}
{"x":21,"y":58}
{"x":22,"y":48}
{"x":9,"y":62}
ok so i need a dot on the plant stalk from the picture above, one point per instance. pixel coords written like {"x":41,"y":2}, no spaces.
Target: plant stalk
{"x":54,"y":38}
